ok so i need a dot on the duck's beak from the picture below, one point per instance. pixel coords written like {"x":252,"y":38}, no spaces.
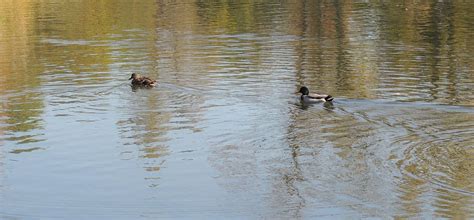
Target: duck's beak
{"x":130,"y":78}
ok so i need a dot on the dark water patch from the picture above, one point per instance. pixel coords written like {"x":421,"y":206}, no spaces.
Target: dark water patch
{"x":25,"y":150}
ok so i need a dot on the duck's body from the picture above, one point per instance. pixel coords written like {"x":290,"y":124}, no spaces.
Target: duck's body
{"x":313,"y":98}
{"x":142,"y":81}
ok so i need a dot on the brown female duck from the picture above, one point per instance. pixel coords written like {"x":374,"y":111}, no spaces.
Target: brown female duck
{"x":142,"y":81}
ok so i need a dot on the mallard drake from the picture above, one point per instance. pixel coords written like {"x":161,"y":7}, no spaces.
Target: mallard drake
{"x":312,"y":98}
{"x":142,"y":81}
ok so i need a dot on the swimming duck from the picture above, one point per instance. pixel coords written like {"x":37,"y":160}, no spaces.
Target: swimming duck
{"x":142,"y":81}
{"x":312,"y":98}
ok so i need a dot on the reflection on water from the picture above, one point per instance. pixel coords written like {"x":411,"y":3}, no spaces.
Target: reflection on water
{"x":224,"y":134}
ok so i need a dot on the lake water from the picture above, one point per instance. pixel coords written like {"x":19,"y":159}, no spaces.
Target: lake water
{"x":224,"y":134}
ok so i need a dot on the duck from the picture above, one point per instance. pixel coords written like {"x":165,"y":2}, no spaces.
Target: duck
{"x":142,"y":81}
{"x":313,"y":98}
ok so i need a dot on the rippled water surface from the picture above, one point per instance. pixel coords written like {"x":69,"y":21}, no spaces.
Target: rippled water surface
{"x":224,"y":134}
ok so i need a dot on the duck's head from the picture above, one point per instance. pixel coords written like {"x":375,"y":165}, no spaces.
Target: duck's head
{"x":134,"y":76}
{"x":304,"y":90}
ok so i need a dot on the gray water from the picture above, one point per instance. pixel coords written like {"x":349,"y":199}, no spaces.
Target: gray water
{"x":224,"y":134}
